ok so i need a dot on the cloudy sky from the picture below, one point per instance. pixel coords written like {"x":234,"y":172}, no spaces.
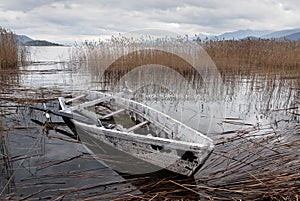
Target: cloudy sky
{"x":77,"y":20}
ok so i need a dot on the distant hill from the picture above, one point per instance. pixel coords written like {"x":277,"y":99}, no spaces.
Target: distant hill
{"x":289,"y":34}
{"x":281,"y":34}
{"x":294,"y":36}
{"x":240,"y":34}
{"x":25,"y":40}
{"x":41,"y":43}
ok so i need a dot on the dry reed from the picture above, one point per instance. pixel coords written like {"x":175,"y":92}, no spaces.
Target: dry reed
{"x":256,"y":165}
{"x":11,"y":53}
{"x":269,"y":56}
{"x":123,"y":54}
{"x":264,"y":55}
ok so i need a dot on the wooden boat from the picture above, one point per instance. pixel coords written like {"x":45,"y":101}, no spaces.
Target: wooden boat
{"x":133,"y":138}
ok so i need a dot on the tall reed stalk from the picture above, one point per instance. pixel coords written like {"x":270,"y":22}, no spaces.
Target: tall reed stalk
{"x":266,"y":56}
{"x":11,"y":53}
{"x":232,"y":57}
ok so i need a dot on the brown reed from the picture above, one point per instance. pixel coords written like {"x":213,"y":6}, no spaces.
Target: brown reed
{"x":11,"y":53}
{"x":267,"y":56}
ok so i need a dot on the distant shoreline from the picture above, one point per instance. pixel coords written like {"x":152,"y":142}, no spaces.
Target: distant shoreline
{"x":41,"y":43}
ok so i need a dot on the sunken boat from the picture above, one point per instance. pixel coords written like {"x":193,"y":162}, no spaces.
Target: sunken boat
{"x":133,"y":138}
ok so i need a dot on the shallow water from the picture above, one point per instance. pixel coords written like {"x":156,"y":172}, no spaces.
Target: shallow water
{"x":239,"y":103}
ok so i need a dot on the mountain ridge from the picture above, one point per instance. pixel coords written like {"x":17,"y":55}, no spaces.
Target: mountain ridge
{"x":293,"y":37}
{"x":288,"y":34}
{"x":281,"y":33}
{"x":27,"y":41}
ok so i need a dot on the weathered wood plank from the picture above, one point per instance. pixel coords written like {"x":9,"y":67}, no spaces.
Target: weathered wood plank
{"x":112,"y":114}
{"x":137,"y":126}
{"x":76,"y":98}
{"x":88,"y":104}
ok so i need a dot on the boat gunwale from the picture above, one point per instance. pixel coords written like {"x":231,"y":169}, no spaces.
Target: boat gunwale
{"x":208,"y":142}
{"x":108,"y":96}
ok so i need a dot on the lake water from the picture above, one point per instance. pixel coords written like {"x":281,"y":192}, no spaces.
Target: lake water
{"x":254,"y":103}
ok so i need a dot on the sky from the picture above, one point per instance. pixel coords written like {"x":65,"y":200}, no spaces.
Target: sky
{"x":67,"y":21}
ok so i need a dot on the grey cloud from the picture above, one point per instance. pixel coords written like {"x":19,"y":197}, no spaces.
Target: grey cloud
{"x":96,"y":17}
{"x":25,"y":6}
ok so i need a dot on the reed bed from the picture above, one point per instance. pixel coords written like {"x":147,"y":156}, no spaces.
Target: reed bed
{"x":113,"y":62}
{"x":256,"y":165}
{"x":12,"y":54}
{"x":265,"y":56}
{"x":123,"y":54}
{"x":108,"y":61}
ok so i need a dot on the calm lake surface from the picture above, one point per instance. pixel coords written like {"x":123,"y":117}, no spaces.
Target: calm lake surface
{"x":242,"y":103}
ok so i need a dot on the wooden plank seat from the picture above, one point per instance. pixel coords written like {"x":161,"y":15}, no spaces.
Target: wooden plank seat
{"x":111,"y":114}
{"x":133,"y":128}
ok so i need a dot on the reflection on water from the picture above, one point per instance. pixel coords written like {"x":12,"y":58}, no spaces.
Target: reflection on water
{"x":6,"y":170}
{"x":49,"y":53}
{"x":253,"y":99}
{"x":48,"y":69}
{"x":9,"y":78}
{"x":193,"y":89}
{"x":210,"y":106}
{"x":239,"y":102}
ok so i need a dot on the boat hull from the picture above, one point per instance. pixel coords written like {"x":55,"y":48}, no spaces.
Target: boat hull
{"x":119,"y":161}
{"x":173,"y":146}
{"x":133,"y":154}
